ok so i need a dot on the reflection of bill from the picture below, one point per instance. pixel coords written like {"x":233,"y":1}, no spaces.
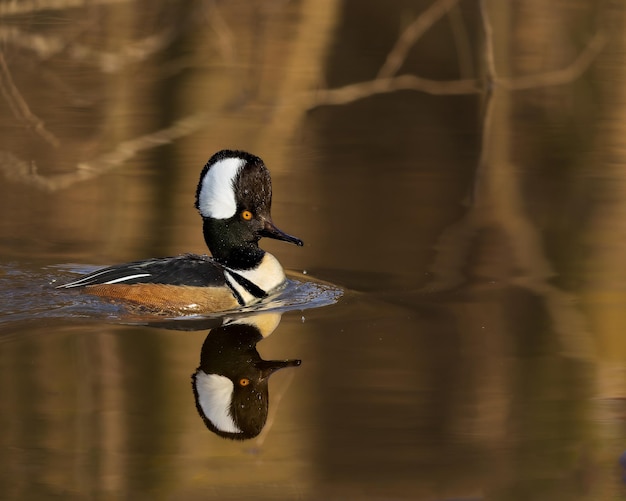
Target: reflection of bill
{"x":230,"y":386}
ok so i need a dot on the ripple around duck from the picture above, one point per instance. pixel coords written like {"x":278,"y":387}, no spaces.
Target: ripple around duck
{"x":31,"y":293}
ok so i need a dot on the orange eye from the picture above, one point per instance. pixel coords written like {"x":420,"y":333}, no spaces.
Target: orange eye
{"x":244,"y":381}
{"x":246,"y":215}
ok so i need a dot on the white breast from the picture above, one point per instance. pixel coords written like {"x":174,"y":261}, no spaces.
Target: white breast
{"x":268,"y":275}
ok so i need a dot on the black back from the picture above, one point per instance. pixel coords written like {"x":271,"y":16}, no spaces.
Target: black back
{"x":187,"y":269}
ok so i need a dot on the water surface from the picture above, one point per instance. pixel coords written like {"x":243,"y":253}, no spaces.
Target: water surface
{"x":458,"y":305}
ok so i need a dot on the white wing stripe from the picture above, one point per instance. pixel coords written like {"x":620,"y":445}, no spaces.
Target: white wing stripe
{"x":128,"y":277}
{"x":81,"y":281}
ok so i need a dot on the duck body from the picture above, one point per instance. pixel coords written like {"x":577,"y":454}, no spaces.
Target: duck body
{"x":234,"y":200}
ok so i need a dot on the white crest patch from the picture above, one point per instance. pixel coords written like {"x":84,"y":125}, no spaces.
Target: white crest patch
{"x":215,"y":394}
{"x":217,"y":194}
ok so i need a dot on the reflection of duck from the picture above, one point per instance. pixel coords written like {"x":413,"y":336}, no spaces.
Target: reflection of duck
{"x":234,"y":198}
{"x":230,"y":386}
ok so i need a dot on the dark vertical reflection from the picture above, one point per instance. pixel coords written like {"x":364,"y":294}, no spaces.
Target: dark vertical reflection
{"x":167,"y":163}
{"x":474,"y":380}
{"x":392,"y":389}
{"x":399,"y":163}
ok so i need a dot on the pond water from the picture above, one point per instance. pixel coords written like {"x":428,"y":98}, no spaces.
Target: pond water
{"x":459,"y":305}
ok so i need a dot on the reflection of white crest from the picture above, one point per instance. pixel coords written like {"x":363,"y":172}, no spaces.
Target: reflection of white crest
{"x":266,"y":323}
{"x":214,"y":397}
{"x":217,"y":195}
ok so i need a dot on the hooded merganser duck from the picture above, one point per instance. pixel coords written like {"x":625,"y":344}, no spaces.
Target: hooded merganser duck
{"x":234,"y":198}
{"x":231,"y":385}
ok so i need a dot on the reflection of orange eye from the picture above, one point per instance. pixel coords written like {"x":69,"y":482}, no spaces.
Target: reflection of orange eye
{"x":246,"y":214}
{"x":244,"y":381}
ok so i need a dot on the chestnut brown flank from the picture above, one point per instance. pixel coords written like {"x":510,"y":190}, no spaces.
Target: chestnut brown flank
{"x":168,"y":298}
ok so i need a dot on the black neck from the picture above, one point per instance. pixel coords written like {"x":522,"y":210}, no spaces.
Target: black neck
{"x":229,"y":249}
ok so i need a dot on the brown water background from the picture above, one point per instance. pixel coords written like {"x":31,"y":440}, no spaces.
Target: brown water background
{"x":457,"y":167}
